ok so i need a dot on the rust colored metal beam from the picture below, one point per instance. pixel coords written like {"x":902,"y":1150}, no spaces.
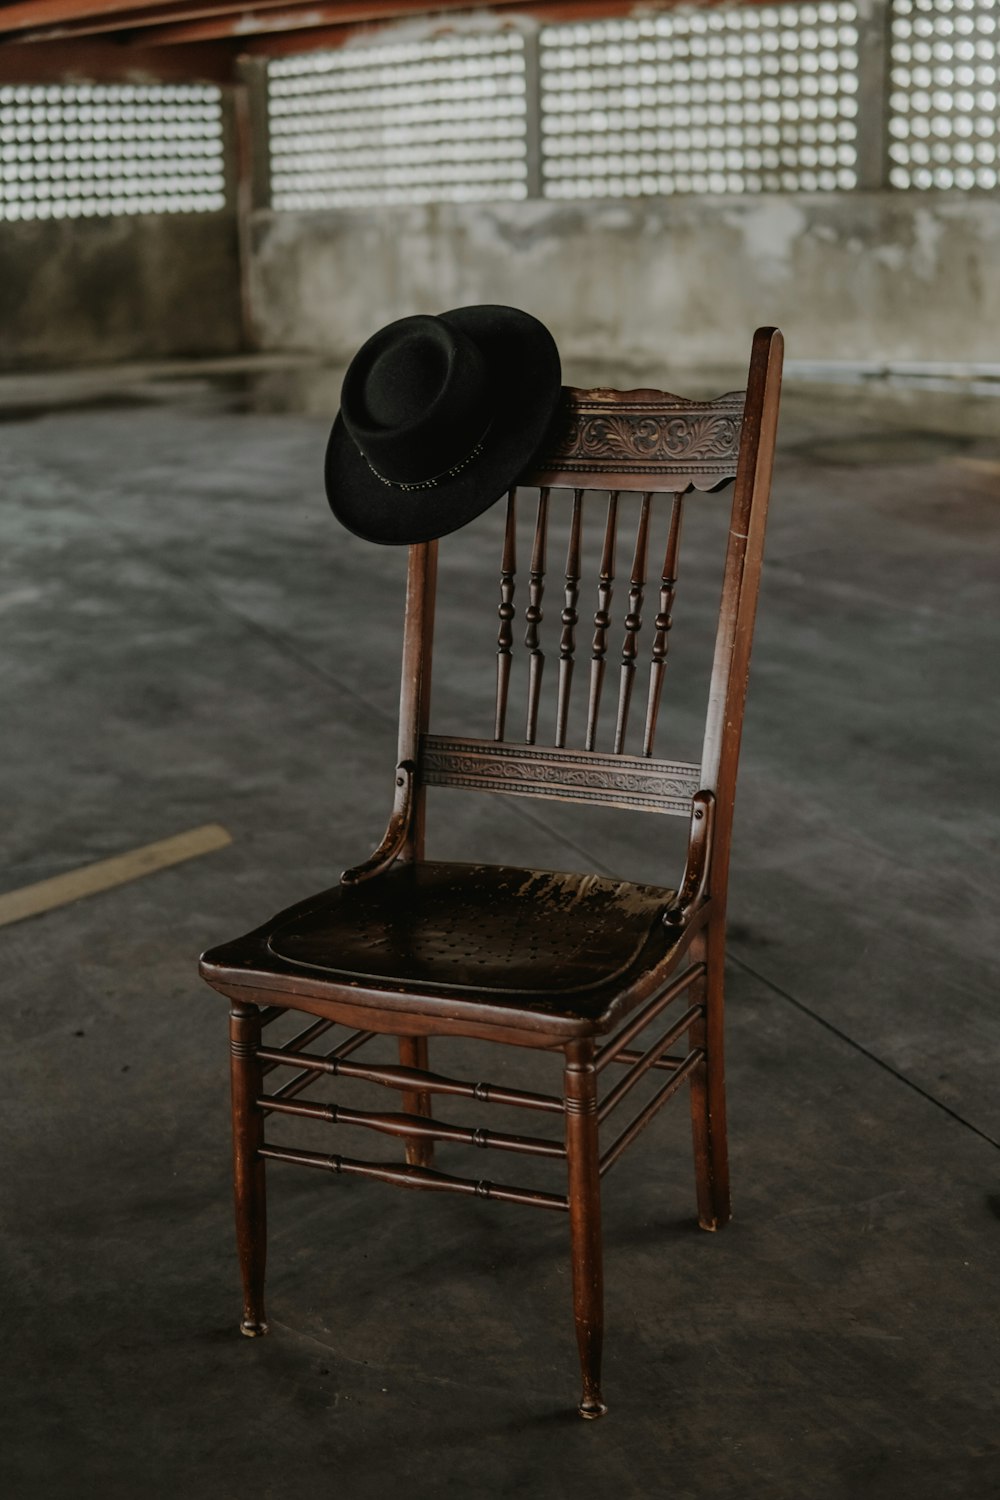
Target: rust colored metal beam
{"x":36,"y":15}
{"x":249,"y":20}
{"x":297,"y":29}
{"x":25,"y":14}
{"x":130,"y":21}
{"x":107,"y":62}
{"x":416,"y":1177}
{"x":132,"y":15}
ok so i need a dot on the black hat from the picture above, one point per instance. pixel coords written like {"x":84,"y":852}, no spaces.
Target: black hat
{"x":438,"y":417}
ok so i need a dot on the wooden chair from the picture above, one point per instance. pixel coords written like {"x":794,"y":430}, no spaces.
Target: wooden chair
{"x":561,"y":962}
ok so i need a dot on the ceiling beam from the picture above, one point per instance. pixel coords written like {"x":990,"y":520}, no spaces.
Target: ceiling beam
{"x":260,"y":27}
{"x":157,"y":13}
{"x":38,"y":17}
{"x":101,"y":62}
{"x":321,"y":15}
{"x":24,"y":15}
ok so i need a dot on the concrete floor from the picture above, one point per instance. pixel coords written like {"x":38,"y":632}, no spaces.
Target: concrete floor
{"x":189,"y":638}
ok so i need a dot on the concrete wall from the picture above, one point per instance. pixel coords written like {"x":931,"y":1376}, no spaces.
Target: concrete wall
{"x":635,"y":285}
{"x":92,"y":290}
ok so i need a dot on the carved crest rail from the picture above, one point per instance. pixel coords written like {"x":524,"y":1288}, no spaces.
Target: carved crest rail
{"x":644,"y":439}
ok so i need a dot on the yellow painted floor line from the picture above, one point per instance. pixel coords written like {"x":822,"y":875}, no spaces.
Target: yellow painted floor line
{"x":30,"y":900}
{"x":979,"y":465}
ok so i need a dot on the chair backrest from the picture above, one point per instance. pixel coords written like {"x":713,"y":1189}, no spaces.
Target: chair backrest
{"x":649,"y":443}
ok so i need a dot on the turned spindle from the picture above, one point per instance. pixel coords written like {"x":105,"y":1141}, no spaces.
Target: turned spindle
{"x":602,"y":620}
{"x":662,"y":624}
{"x":505,"y":610}
{"x":567,"y":641}
{"x":633,"y":624}
{"x":533,"y":616}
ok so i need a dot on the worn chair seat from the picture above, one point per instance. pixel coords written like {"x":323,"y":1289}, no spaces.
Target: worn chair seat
{"x":552,"y":943}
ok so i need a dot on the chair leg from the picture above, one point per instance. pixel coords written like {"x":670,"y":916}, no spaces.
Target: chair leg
{"x":708,"y":1090}
{"x":583,"y":1162}
{"x":248,"y":1166}
{"x":413,"y":1054}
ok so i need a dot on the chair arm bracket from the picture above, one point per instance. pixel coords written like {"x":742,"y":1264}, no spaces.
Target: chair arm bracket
{"x":396,"y":833}
{"x":693,"y":890}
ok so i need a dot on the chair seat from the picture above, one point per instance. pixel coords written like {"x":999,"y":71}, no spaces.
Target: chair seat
{"x":533,"y":940}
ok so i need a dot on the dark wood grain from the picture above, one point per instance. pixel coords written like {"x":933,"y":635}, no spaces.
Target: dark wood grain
{"x":249,"y":1185}
{"x":405,"y":1078}
{"x":649,"y":1059}
{"x":575,"y":965}
{"x":414,"y":1055}
{"x":584,"y":1176}
{"x":533,"y":616}
{"x":642,"y":440}
{"x":404,"y":1175}
{"x":662,"y":625}
{"x":633,"y":624}
{"x":567,"y":641}
{"x":680,"y":1075}
{"x":602,"y":619}
{"x":310,"y":1063}
{"x":505,"y":610}
{"x":301,"y":1038}
{"x":412,"y":1127}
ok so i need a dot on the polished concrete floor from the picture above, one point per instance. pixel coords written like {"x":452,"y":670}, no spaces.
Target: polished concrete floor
{"x":189,"y":638}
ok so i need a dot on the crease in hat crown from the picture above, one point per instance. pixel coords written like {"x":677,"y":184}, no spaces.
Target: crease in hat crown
{"x":416,"y":401}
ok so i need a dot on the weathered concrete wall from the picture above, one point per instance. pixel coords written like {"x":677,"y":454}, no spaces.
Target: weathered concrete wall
{"x":92,"y":290}
{"x":858,"y":276}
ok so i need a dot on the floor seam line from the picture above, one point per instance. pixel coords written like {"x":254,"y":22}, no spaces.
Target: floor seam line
{"x":859,"y":1047}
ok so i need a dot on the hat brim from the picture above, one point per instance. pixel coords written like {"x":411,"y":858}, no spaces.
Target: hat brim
{"x":524,"y":370}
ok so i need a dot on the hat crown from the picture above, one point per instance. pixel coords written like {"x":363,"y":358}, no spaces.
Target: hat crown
{"x":405,"y":379}
{"x":416,"y":399}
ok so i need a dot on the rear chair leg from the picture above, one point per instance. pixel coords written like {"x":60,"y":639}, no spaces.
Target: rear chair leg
{"x":708,"y":1091}
{"x":413,"y":1054}
{"x":248,"y":1165}
{"x":583,"y":1163}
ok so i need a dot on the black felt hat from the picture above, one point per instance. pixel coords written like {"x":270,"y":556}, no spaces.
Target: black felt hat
{"x":438,"y":417}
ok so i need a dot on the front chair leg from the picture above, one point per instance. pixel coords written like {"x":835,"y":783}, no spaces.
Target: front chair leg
{"x":583,"y":1162}
{"x":413,"y":1054}
{"x":248,"y":1165}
